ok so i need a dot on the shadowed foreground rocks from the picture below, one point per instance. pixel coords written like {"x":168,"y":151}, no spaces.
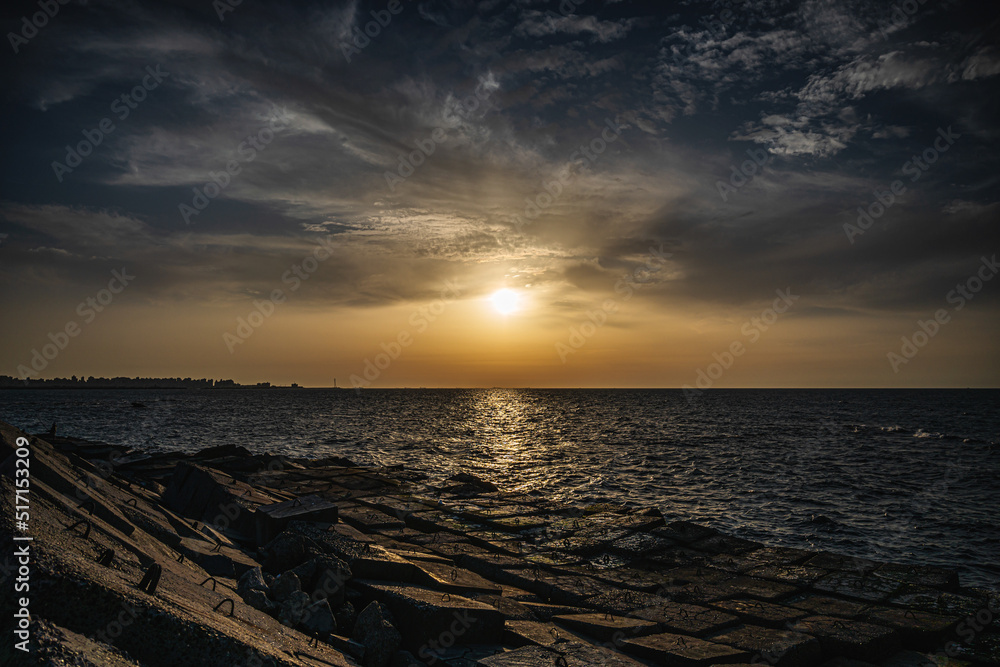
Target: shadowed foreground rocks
{"x":226,"y":558}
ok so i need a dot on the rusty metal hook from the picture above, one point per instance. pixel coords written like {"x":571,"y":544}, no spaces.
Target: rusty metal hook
{"x":86,"y":527}
{"x":232,"y":606}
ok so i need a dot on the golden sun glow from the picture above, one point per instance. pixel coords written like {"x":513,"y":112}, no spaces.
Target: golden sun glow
{"x":506,"y":301}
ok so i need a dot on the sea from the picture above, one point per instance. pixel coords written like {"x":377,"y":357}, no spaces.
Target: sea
{"x":909,"y":476}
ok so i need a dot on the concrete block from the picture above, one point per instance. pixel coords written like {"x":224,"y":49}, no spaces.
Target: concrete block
{"x":852,"y":639}
{"x":757,"y":612}
{"x":821,"y":605}
{"x":531,"y":633}
{"x":606,"y":626}
{"x":859,"y":587}
{"x":782,"y":648}
{"x":686,"y":619}
{"x":423,"y":616}
{"x":273,"y":518}
{"x":672,"y":649}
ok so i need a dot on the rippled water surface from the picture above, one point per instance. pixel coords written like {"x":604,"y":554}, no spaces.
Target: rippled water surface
{"x":911,"y":476}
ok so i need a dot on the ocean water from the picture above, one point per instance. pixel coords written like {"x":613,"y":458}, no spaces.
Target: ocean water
{"x":910,"y":476}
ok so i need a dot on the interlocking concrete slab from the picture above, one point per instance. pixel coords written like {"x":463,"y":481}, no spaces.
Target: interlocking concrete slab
{"x":782,"y":648}
{"x":756,"y":612}
{"x":852,"y":639}
{"x":687,"y":619}
{"x":682,"y":651}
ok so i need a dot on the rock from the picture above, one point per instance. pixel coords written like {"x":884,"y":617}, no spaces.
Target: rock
{"x":306,"y":573}
{"x":284,"y":586}
{"x":376,"y":631}
{"x":345,"y":617}
{"x":258,"y":600}
{"x":252,"y":580}
{"x":324,"y":577}
{"x":318,"y":620}
{"x":286,"y":551}
{"x":293,"y":609}
{"x":332,"y":575}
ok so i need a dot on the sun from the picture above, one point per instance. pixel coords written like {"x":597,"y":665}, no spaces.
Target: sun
{"x":506,"y":301}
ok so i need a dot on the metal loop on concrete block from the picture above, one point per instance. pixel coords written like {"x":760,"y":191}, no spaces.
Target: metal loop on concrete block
{"x":106,"y":558}
{"x":86,"y":527}
{"x":446,"y":597}
{"x":180,"y":558}
{"x":232,"y":606}
{"x":212,"y":579}
{"x":151,"y":579}
{"x":608,"y":616}
{"x":134,"y":502}
{"x":89,"y":506}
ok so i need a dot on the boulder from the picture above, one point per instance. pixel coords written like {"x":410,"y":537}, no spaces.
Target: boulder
{"x":251,"y":580}
{"x":345,"y":617}
{"x":284,"y":586}
{"x":293,"y":609}
{"x":376,"y":631}
{"x":258,"y":599}
{"x":318,"y":620}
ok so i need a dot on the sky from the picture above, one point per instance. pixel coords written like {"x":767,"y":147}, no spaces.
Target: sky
{"x":585,"y":193}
